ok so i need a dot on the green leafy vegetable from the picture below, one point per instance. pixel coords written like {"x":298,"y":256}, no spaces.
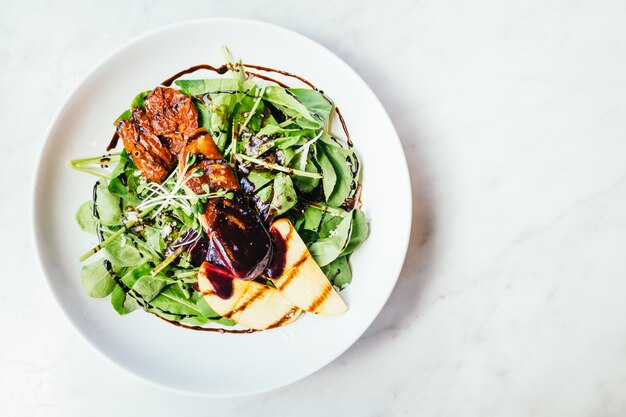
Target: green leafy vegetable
{"x":280,"y":144}
{"x":96,"y":280}
{"x":284,"y":195}
{"x":326,"y":250}
{"x":338,"y":272}
{"x":85,"y":218}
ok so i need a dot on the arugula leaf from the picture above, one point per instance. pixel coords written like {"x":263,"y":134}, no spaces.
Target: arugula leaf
{"x":96,"y":279}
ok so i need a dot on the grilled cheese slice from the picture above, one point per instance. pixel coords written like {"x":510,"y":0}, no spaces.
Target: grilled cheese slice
{"x":303,"y":282}
{"x":252,"y":305}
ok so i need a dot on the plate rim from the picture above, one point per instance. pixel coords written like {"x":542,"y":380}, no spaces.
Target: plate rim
{"x":35,"y":201}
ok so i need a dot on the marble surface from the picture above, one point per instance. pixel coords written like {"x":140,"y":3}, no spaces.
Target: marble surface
{"x":511,"y":300}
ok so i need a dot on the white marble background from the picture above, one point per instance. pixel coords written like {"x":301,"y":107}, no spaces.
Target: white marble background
{"x":511,"y":301}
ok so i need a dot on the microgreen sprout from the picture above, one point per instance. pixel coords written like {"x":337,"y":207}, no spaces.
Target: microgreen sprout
{"x":280,"y":168}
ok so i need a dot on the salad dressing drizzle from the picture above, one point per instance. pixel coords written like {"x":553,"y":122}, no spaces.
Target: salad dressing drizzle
{"x":220,"y":70}
{"x":277,"y":265}
{"x":224,"y":68}
{"x":209,"y":329}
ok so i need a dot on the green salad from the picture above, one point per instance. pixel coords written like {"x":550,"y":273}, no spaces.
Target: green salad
{"x":280,"y":143}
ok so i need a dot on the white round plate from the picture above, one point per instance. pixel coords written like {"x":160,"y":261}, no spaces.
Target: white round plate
{"x":201,"y":363}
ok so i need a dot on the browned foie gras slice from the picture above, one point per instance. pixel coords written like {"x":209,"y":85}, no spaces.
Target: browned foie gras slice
{"x":149,"y":154}
{"x":236,"y":232}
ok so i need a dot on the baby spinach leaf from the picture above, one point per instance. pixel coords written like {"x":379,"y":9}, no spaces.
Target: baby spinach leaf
{"x":312,"y":218}
{"x":148,"y":286}
{"x":117,"y":187}
{"x":265,"y":194}
{"x":304,"y":184}
{"x":96,"y":279}
{"x":338,"y":272}
{"x":343,"y":162}
{"x":123,"y":303}
{"x":212,"y":86}
{"x":260,"y":178}
{"x":122,"y":253}
{"x":289,"y":141}
{"x":284,"y":194}
{"x":315,"y":102}
{"x":289,"y":104}
{"x":137,"y":102}
{"x":359,"y":231}
{"x":85,"y":218}
{"x":108,"y":206}
{"x":273,"y":129}
{"x":326,"y":250}
{"x":154,"y":239}
{"x":329,"y":177}
{"x":173,"y":300}
{"x":328,"y":224}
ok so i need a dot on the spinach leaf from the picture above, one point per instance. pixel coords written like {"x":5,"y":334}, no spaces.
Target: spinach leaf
{"x":284,"y":194}
{"x":154,"y":239}
{"x":122,"y":253}
{"x":338,"y":272}
{"x":305,"y":184}
{"x":271,"y":129}
{"x":137,"y":102}
{"x":329,"y":177}
{"x":328,"y":224}
{"x":260,"y":178}
{"x":85,"y":218}
{"x":108,"y":206}
{"x":326,"y":250}
{"x":289,"y":104}
{"x":148,"y":286}
{"x":316,"y":103}
{"x":122,"y":303}
{"x":359,"y":231}
{"x":312,"y":218}
{"x":346,"y":166}
{"x":212,"y":86}
{"x":96,"y":279}
{"x":173,"y":300}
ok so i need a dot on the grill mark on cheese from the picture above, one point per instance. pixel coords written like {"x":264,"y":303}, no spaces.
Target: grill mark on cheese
{"x":320,"y":298}
{"x":208,"y":292}
{"x":292,"y":271}
{"x":284,"y":318}
{"x":249,"y":301}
